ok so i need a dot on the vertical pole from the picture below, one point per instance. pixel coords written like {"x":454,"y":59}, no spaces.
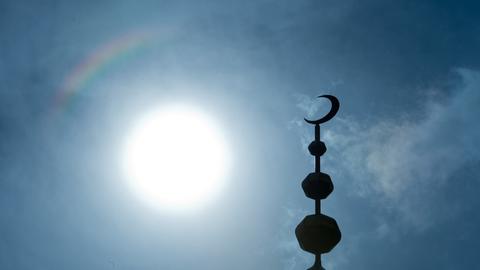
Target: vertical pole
{"x":318,"y":206}
{"x":317,"y":167}
{"x":317,"y":139}
{"x":318,"y":263}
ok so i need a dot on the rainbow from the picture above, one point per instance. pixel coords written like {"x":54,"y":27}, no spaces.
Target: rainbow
{"x":96,"y":63}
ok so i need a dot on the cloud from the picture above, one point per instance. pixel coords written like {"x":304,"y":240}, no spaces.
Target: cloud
{"x":288,"y":249}
{"x":409,"y":165}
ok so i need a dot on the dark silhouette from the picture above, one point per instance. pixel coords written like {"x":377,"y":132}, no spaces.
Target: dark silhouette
{"x":318,"y":233}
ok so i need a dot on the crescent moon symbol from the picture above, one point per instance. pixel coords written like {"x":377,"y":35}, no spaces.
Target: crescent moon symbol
{"x":333,"y":111}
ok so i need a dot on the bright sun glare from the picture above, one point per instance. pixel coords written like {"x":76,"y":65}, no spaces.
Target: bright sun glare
{"x":176,"y":158}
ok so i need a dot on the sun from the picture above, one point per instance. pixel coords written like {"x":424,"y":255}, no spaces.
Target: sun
{"x":176,"y":158}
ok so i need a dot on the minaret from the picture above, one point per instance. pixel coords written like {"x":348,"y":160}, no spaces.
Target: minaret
{"x":318,"y":233}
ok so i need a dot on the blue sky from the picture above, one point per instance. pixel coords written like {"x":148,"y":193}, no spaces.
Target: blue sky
{"x":402,"y":152}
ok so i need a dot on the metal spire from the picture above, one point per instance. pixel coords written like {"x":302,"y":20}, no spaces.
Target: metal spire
{"x":318,"y":233}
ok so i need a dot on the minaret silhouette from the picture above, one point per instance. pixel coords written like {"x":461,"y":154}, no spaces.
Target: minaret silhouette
{"x":318,"y":233}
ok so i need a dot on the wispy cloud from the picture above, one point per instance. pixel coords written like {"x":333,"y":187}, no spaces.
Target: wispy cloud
{"x":293,"y":258}
{"x":409,"y":164}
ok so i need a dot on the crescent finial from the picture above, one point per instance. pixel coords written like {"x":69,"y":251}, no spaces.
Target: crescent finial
{"x":333,"y":111}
